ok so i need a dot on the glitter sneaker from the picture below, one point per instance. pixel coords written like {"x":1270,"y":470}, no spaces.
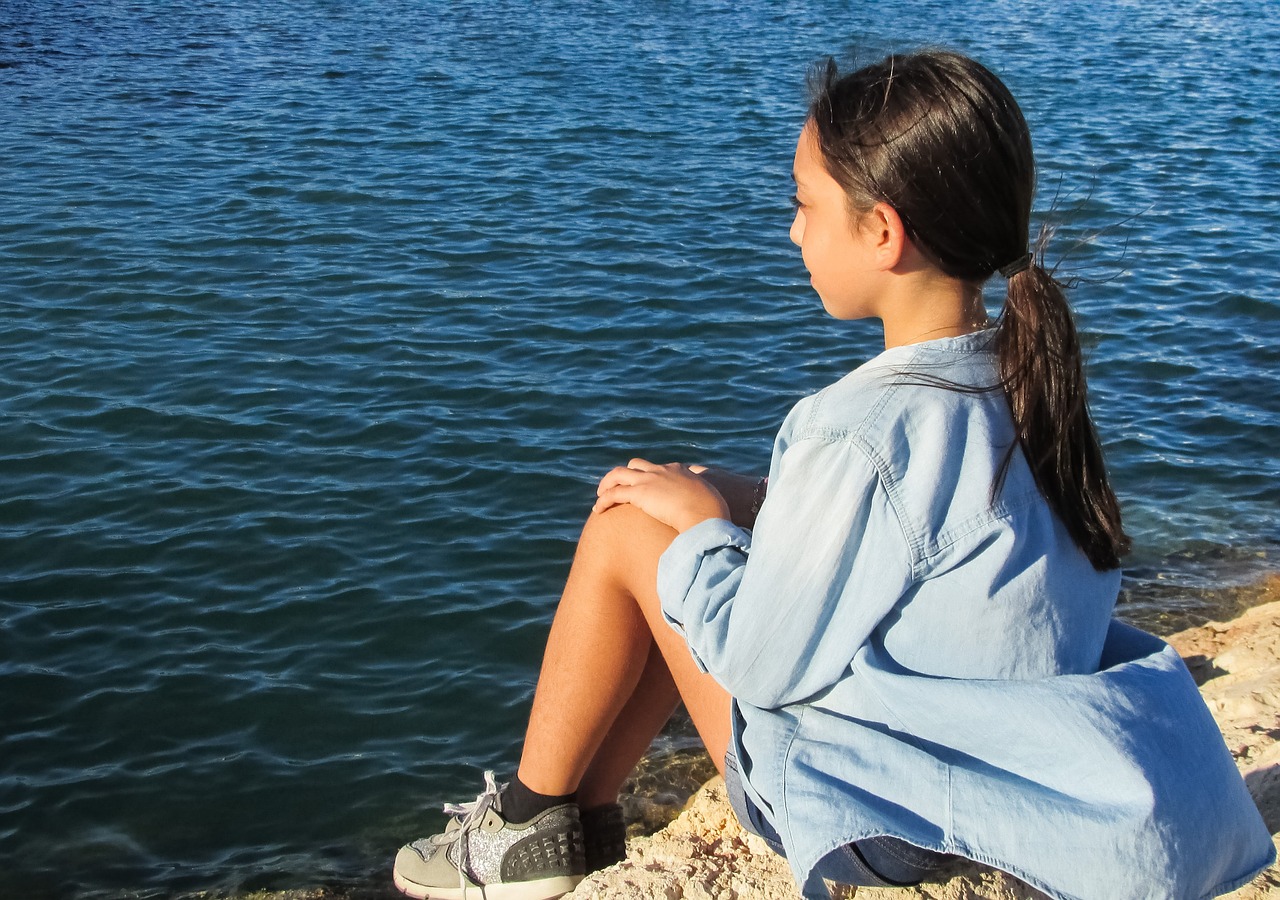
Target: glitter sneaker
{"x":482,"y":855}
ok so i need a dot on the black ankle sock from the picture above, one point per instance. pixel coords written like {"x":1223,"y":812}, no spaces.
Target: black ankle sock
{"x":519,"y":804}
{"x":605,"y":835}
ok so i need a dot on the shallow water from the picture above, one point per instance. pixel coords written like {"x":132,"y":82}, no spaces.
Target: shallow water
{"x":321,"y":320}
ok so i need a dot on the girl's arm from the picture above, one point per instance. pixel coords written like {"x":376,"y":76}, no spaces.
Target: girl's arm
{"x":828,"y":561}
{"x":742,"y":493}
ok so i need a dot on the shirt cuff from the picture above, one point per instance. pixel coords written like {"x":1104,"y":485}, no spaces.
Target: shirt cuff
{"x":685,"y":562}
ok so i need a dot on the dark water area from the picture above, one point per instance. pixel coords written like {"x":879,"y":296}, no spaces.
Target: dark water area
{"x":321,"y":320}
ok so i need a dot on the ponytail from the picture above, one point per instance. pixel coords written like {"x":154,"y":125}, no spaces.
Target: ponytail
{"x":939,"y":138}
{"x":1042,"y":374}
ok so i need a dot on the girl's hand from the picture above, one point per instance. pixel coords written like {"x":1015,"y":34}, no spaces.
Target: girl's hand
{"x":672,"y":494}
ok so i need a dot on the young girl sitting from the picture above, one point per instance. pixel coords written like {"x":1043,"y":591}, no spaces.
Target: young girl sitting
{"x":907,"y":651}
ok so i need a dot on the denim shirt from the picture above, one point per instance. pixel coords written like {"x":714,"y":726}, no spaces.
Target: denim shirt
{"x":914,"y":652}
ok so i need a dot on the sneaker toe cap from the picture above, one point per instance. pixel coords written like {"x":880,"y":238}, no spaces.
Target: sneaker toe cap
{"x":423,"y":864}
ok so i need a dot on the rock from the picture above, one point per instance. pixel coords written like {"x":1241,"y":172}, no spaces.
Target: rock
{"x":1263,"y":779}
{"x":703,"y":855}
{"x":1243,"y":686}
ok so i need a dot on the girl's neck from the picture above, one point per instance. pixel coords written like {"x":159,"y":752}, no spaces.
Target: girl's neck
{"x":928,"y":305}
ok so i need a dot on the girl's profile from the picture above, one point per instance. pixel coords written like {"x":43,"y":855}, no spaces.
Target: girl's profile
{"x":898,"y":643}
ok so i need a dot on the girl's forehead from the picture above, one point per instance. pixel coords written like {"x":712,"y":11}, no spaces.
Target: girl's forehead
{"x":806,"y":162}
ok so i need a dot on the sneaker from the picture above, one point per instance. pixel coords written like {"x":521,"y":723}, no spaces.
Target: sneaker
{"x":482,"y":856}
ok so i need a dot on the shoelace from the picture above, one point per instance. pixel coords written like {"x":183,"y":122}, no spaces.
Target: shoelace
{"x":468,"y":817}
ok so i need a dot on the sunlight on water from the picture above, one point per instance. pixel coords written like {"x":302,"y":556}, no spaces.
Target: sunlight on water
{"x":319,"y":327}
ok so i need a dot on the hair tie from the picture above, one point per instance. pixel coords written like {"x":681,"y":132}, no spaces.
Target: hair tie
{"x":1021,"y":264}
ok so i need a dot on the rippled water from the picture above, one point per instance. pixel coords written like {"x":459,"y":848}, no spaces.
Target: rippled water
{"x":320,"y":320}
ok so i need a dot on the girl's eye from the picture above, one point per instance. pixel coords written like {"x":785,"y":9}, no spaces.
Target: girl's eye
{"x":795,"y":201}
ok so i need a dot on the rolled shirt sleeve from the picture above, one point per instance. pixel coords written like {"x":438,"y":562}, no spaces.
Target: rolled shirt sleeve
{"x":776,"y":615}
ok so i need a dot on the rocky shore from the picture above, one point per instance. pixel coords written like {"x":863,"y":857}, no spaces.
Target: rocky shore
{"x":705,"y":855}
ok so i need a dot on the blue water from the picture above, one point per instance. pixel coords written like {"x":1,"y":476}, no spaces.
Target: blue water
{"x":321,"y":319}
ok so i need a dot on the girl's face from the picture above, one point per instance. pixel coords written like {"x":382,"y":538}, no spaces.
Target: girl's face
{"x":836,"y":251}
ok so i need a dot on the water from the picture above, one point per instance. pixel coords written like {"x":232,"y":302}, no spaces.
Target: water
{"x":321,"y":319}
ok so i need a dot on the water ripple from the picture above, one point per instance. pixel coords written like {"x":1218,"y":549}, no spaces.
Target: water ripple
{"x":319,"y":329}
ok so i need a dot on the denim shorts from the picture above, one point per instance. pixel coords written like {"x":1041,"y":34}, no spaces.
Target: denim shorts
{"x":872,"y":862}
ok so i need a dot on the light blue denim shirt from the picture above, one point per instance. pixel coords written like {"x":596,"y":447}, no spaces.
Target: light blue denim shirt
{"x":912,"y":656}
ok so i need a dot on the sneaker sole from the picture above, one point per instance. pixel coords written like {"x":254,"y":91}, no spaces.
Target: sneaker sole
{"x":543,"y":889}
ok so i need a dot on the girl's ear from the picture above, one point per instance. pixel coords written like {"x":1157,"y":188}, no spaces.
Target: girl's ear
{"x":888,"y":236}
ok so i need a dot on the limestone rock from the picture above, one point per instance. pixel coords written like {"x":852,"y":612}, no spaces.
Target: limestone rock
{"x":703,"y":855}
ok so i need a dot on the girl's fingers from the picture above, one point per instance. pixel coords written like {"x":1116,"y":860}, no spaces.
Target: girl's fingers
{"x":631,"y":473}
{"x":633,"y":482}
{"x":616,"y":476}
{"x":601,"y":504}
{"x":613,"y":496}
{"x":619,"y":484}
{"x":672,"y":494}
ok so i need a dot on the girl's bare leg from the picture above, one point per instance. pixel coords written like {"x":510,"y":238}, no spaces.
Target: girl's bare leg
{"x":613,"y":667}
{"x":651,"y":705}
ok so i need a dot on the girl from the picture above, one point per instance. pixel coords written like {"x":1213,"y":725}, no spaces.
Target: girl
{"x":909,"y":653}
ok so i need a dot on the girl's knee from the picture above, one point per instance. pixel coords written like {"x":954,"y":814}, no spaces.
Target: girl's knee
{"x":629,"y":522}
{"x":625,"y":533}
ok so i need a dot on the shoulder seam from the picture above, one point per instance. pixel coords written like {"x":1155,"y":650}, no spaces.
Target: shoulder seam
{"x":854,"y":434}
{"x":857,"y":440}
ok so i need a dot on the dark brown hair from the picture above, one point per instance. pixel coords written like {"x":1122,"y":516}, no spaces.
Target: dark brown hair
{"x":939,"y":138}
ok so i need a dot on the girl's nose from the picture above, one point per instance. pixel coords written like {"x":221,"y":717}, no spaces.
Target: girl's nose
{"x":797,"y":228}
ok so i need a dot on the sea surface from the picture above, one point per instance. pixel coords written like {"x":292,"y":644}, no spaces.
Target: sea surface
{"x":321,"y":319}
